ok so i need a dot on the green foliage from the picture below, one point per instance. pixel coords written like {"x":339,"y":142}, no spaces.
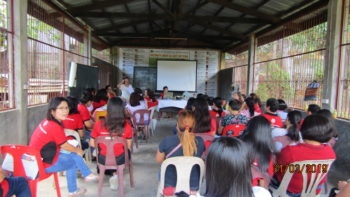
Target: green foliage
{"x":37,"y":29}
{"x":276,"y":82}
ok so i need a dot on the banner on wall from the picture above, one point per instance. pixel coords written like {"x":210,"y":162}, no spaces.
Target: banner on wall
{"x":161,"y":54}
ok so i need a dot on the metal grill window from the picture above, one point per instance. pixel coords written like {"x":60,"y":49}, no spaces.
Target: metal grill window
{"x":53,"y":42}
{"x":284,"y":67}
{"x":6,"y":57}
{"x":343,"y":94}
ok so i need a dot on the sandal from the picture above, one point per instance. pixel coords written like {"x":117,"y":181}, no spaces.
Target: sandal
{"x":79,"y":192}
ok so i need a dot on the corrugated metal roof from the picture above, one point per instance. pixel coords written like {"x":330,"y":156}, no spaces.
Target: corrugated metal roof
{"x":216,"y":21}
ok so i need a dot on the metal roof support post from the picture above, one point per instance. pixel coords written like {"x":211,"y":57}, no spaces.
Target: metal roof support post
{"x":20,"y":68}
{"x":251,"y":58}
{"x":332,"y":56}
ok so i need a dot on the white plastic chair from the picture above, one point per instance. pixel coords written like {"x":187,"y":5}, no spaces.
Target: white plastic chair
{"x":183,"y":165}
{"x":153,"y":123}
{"x":315,"y":178}
{"x":70,"y":132}
{"x":75,"y":134}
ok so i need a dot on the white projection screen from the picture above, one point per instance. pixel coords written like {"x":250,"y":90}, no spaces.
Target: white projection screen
{"x":177,"y":75}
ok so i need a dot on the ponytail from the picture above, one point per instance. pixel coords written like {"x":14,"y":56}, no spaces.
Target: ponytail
{"x":186,"y":123}
{"x":188,"y":142}
{"x":294,"y":117}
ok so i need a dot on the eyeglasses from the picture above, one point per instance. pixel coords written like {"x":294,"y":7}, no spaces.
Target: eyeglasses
{"x":63,"y":108}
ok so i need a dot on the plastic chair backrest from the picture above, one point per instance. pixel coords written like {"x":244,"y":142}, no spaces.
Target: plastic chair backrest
{"x":310,"y":179}
{"x":17,"y":151}
{"x":207,"y":139}
{"x":142,"y":114}
{"x":233,"y":130}
{"x":75,"y":134}
{"x":100,"y":115}
{"x":183,"y":165}
{"x":109,"y":142}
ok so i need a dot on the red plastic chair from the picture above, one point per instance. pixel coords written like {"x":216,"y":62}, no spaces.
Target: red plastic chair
{"x":207,"y":139}
{"x":141,"y":124}
{"x":233,"y":130}
{"x":17,"y":151}
{"x":111,"y":162}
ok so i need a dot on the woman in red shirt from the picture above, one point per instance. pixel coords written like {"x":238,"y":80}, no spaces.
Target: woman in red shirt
{"x":73,"y":120}
{"x":316,"y":131}
{"x":115,"y":124}
{"x":49,"y":138}
{"x":150,"y":98}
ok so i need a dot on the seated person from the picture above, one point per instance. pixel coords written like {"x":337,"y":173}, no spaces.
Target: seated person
{"x":271,"y":115}
{"x":185,"y":143}
{"x":49,"y":138}
{"x":257,"y":136}
{"x":316,"y":131}
{"x":248,"y":108}
{"x":289,"y":136}
{"x":135,"y":105}
{"x":232,"y":155}
{"x":165,"y":94}
{"x":204,"y":122}
{"x":327,"y":114}
{"x":233,"y":117}
{"x":101,"y":99}
{"x":257,"y":102}
{"x":150,"y":98}
{"x":282,"y":107}
{"x":217,"y":110}
{"x":115,"y":124}
{"x":110,"y":92}
{"x":10,"y":186}
{"x":312,"y":109}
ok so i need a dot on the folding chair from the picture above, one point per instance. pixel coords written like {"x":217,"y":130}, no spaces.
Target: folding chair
{"x":20,"y":152}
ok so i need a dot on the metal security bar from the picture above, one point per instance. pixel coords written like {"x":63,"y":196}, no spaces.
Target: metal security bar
{"x":293,"y":59}
{"x":53,"y":41}
{"x":239,"y":64}
{"x":104,"y":55}
{"x":6,"y":56}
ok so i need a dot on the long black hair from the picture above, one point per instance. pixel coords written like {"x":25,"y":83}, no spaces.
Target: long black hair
{"x":201,"y":113}
{"x":151,"y":95}
{"x":258,"y":137}
{"x":294,"y":118}
{"x":250,"y":104}
{"x":53,"y":104}
{"x":189,"y":104}
{"x":228,"y":171}
{"x":115,"y":116}
{"x":73,"y":105}
{"x":217,"y":102}
{"x":101,"y":95}
{"x":328,"y":114}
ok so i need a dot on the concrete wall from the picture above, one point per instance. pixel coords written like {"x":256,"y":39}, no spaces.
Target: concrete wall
{"x":10,"y":129}
{"x":341,"y":167}
{"x":35,"y":116}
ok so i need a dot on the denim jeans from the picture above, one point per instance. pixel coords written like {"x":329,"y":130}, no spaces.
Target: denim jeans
{"x":18,"y":186}
{"x":69,"y":163}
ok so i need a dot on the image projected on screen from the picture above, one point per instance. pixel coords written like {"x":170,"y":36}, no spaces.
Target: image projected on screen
{"x":177,"y":75}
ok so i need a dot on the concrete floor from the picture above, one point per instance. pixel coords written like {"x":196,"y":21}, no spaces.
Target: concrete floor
{"x":145,"y":171}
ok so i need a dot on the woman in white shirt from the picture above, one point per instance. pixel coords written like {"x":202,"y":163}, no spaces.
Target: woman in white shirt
{"x":134,"y":105}
{"x":229,"y":156}
{"x":126,"y":88}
